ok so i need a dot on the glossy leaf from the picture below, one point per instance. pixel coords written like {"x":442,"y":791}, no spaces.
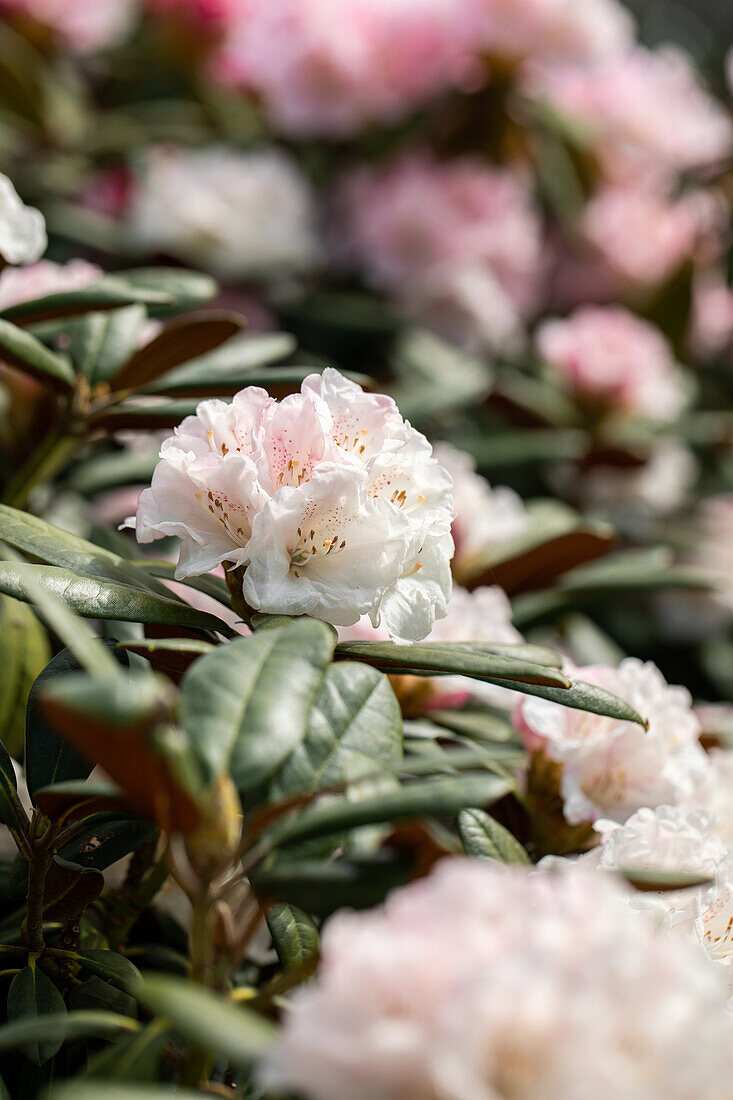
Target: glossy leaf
{"x":69,"y":890}
{"x":96,"y":598}
{"x":278,"y":381}
{"x":355,"y":727}
{"x":32,"y":997}
{"x":108,"y":293}
{"x":123,"y":725}
{"x":107,"y":838}
{"x":429,"y":658}
{"x":484,"y":837}
{"x":246,"y":706}
{"x":182,"y":289}
{"x":294,"y":936}
{"x":78,"y":799}
{"x":206,"y":1020}
{"x":434,"y":798}
{"x":177,"y":343}
{"x":22,"y":350}
{"x":109,"y":965}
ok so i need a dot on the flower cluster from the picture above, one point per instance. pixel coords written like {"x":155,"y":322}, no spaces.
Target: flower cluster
{"x":237,"y":214}
{"x":490,"y":982}
{"x":330,"y":501}
{"x":612,"y":768}
{"x":459,"y":242}
{"x":22,"y":228}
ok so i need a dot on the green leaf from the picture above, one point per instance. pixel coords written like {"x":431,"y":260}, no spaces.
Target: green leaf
{"x":109,"y":965}
{"x":469,"y":659}
{"x":433,"y":798}
{"x":278,"y":381}
{"x":246,"y":706}
{"x":228,"y":365}
{"x":54,"y":546}
{"x":294,"y":936}
{"x":90,"y":652}
{"x":109,"y":293}
{"x":323,"y":886}
{"x":434,"y":375}
{"x":581,"y":696}
{"x":124,"y":725}
{"x":21,"y":350}
{"x":102,"y":471}
{"x":133,"y":1058}
{"x":184,"y":289}
{"x":355,"y":727}
{"x":100,"y":1090}
{"x":80,"y":799}
{"x":24,"y":650}
{"x":31,"y":996}
{"x":107,"y":838}
{"x":180,"y":341}
{"x":206,"y":1020}
{"x":97,"y":598}
{"x":484,"y":837}
{"x":102,"y":342}
{"x":48,"y":757}
{"x":58,"y":1028}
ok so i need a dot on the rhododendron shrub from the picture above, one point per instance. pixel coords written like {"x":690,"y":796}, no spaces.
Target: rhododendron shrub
{"x":366,"y":503}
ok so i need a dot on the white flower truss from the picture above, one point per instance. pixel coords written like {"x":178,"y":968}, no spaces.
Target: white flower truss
{"x":484,"y":982}
{"x":22,"y":228}
{"x":331,"y":502}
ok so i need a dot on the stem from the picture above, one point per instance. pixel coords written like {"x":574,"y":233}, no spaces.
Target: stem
{"x":200,"y":969}
{"x":32,"y":928}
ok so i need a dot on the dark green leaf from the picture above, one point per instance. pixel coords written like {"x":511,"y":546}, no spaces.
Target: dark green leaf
{"x":170,"y":655}
{"x":484,"y":837}
{"x":97,"y":598}
{"x":32,"y":996}
{"x":278,"y":381}
{"x":186,"y":289}
{"x":133,"y":1058}
{"x":109,"y":293}
{"x":107,"y":838}
{"x":323,"y":886}
{"x":180,"y":341}
{"x":432,"y":798}
{"x":475,"y":660}
{"x":47,"y":1030}
{"x":206,"y":1020}
{"x":294,"y":936}
{"x":21,"y":350}
{"x":246,"y":706}
{"x":354,"y":728}
{"x":109,"y":965}
{"x":102,"y":342}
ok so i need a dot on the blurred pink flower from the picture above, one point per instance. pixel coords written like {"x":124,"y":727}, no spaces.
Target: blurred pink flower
{"x":324,"y":68}
{"x":208,"y":11}
{"x":22,"y":284}
{"x":83,"y":25}
{"x":483,"y":982}
{"x":486,"y":517}
{"x":644,"y":112}
{"x":641,"y":234}
{"x":555,"y":30}
{"x":711,"y":325}
{"x":607,"y":355}
{"x":612,"y":768}
{"x":458,"y":234}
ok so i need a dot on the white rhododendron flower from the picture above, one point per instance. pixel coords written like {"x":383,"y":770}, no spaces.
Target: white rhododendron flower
{"x":484,"y":982}
{"x":486,"y":517}
{"x":238,"y":214}
{"x":332,"y":502}
{"x":22,"y":228}
{"x":484,"y":615}
{"x":612,"y":768}
{"x":556,"y":30}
